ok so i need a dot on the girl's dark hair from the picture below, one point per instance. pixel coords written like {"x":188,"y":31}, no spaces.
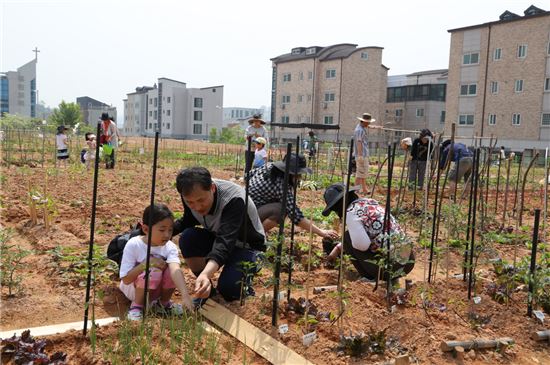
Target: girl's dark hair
{"x":87,"y":136}
{"x":159,"y":213}
{"x":188,"y":178}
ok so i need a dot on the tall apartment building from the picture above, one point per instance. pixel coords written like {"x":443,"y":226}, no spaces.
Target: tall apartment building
{"x":91,"y":110}
{"x":18,"y":91}
{"x":175,"y":110}
{"x":328,"y":86}
{"x":416,"y":101}
{"x":499,"y":80}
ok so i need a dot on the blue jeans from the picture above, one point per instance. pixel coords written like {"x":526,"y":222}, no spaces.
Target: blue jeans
{"x":198,"y":242}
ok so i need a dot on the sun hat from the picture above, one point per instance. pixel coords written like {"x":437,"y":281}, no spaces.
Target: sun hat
{"x":260,"y":140}
{"x":105,"y":116}
{"x":334,"y":194}
{"x":366,"y":117}
{"x":302,"y":165}
{"x":256,"y":117}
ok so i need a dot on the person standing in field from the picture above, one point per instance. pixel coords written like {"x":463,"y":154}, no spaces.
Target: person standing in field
{"x":260,"y":155}
{"x":361,"y":149}
{"x":109,"y":140}
{"x":421,"y":150}
{"x":254,"y":130}
{"x":61,"y":142}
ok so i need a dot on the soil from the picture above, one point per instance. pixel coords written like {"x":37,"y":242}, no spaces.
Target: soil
{"x":52,"y":293}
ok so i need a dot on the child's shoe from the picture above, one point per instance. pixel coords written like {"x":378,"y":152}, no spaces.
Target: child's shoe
{"x":169,"y":309}
{"x":135,"y":313}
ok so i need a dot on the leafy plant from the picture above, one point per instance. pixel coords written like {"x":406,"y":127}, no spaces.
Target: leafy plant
{"x":11,"y":262}
{"x":26,"y":350}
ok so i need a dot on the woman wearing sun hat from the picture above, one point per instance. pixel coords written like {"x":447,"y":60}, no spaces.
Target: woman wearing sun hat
{"x":364,"y":237}
{"x":266,"y":191}
{"x":254,"y":130}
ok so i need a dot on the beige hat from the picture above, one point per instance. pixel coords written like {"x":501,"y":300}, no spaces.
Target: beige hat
{"x":407,"y":141}
{"x":367,"y":118}
{"x":260,"y":140}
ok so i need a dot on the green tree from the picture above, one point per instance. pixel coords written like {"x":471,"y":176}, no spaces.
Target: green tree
{"x":213,"y":135}
{"x":233,"y":135}
{"x":67,"y":114}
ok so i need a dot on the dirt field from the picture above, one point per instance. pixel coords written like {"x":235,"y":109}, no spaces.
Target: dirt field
{"x":52,"y":288}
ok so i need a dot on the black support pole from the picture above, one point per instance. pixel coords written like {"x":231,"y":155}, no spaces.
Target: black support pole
{"x":149,"y":224}
{"x":434,"y":223}
{"x":473,"y":232}
{"x":280,"y":240}
{"x":247,"y":168}
{"x":533,"y":263}
{"x":292,"y":227}
{"x":92,"y":229}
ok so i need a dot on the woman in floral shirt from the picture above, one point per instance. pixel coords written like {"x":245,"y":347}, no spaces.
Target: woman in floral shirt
{"x":365,"y":239}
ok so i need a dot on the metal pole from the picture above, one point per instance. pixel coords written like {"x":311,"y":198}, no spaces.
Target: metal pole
{"x":533,"y":263}
{"x":247,"y":168}
{"x":92,"y":230}
{"x":280,"y":239}
{"x":387,"y":221}
{"x":292,"y":227}
{"x":149,"y":224}
{"x":470,"y":201}
{"x":473,"y":235}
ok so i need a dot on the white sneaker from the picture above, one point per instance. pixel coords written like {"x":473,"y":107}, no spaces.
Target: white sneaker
{"x":135,"y":314}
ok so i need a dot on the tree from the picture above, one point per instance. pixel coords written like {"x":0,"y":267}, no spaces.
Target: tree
{"x":213,"y":135}
{"x":67,"y":114}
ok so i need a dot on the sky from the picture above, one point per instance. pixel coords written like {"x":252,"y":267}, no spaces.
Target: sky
{"x":105,"y":49}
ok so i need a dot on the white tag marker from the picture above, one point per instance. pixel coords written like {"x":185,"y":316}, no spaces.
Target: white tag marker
{"x":308,"y":338}
{"x":477,"y":300}
{"x":283,"y":329}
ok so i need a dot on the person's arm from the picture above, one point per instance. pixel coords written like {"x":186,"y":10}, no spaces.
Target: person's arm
{"x":359,"y":145}
{"x":414,"y":149}
{"x":177,"y":277}
{"x":188,"y":220}
{"x":133,"y":274}
{"x":306,"y":225}
{"x":360,"y":240}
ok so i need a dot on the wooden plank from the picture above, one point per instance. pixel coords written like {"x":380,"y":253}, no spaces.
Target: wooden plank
{"x":57,"y":328}
{"x":250,"y":335}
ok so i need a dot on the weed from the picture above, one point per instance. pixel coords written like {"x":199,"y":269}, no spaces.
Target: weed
{"x":11,"y":262}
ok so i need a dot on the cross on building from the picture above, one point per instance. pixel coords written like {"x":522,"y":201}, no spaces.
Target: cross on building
{"x":36,"y":50}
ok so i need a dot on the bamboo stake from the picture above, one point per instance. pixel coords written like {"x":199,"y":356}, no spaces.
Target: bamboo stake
{"x":292,"y":227}
{"x":533,"y":263}
{"x":377,"y":176}
{"x":506,"y":189}
{"x":523,"y":187}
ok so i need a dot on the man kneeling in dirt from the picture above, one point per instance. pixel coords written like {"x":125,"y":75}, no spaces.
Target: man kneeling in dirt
{"x":219,"y":207}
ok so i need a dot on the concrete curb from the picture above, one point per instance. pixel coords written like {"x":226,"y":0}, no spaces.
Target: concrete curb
{"x":57,"y":328}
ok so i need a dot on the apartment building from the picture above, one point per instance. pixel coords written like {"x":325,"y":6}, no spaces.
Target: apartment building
{"x":91,"y":110}
{"x":499,"y":80}
{"x":173,"y":109}
{"x":416,"y":101}
{"x":18,"y":93}
{"x":326,"y":88}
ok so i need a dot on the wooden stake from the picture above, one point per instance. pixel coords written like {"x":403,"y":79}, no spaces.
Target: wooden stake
{"x":447,"y":346}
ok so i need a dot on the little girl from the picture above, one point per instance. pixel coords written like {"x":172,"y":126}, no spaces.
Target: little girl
{"x":260,"y":155}
{"x":61,"y":143}
{"x":89,"y":155}
{"x":165,"y":273}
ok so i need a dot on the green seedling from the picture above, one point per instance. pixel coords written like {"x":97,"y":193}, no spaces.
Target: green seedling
{"x":11,"y":263}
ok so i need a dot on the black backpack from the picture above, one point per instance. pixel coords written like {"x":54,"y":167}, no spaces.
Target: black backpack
{"x":117,"y":244}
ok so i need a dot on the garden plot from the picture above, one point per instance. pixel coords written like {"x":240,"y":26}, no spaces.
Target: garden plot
{"x":48,"y":259}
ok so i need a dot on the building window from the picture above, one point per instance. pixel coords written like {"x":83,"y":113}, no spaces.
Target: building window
{"x":197,"y":128}
{"x":301,"y":75}
{"x":548,"y":49}
{"x":168,"y":112}
{"x":310,"y":75}
{"x":545,"y":120}
{"x":492,"y":119}
{"x":547,"y":84}
{"x":155,"y":115}
{"x":471,"y":58}
{"x":150,"y":114}
{"x":398,"y":112}
{"x":497,"y":54}
{"x":522,"y":51}
{"x":286,"y":77}
{"x":516,"y":119}
{"x":156,"y":102}
{"x":419,"y":112}
{"x":150,"y":101}
{"x":308,"y":97}
{"x":197,"y":115}
{"x":364,"y":55}
{"x":286,"y":99}
{"x":329,"y":119}
{"x":300,"y":98}
{"x":331,"y":74}
{"x":311,"y":50}
{"x":169,"y":99}
{"x":197,"y":103}
{"x":494,"y":87}
{"x":167,"y":125}
{"x":518,"y":86}
{"x":442,"y":117}
{"x":466,"y":119}
{"x":329,"y":97}
{"x":150,"y":125}
{"x":468,"y":90}
{"x":285,"y":119}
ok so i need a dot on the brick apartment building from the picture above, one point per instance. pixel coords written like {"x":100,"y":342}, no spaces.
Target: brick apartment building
{"x":499,"y":80}
{"x":326,"y":86}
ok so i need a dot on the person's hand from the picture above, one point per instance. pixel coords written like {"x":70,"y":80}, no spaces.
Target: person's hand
{"x":203,"y":286}
{"x":187,"y":303}
{"x":155,"y":262}
{"x":329,"y":233}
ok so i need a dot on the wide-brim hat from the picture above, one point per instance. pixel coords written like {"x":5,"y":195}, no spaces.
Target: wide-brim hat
{"x":254,"y":119}
{"x":260,"y":140}
{"x":302,"y":165}
{"x":62,"y":128}
{"x":334,"y":194}
{"x":105,"y":116}
{"x":366,"y":117}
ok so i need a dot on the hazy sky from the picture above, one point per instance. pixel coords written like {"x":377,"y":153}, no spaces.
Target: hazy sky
{"x":104,"y":49}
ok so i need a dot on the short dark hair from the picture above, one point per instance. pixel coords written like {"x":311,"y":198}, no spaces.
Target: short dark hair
{"x":157,"y":213}
{"x":87,"y":136}
{"x":189,"y":177}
